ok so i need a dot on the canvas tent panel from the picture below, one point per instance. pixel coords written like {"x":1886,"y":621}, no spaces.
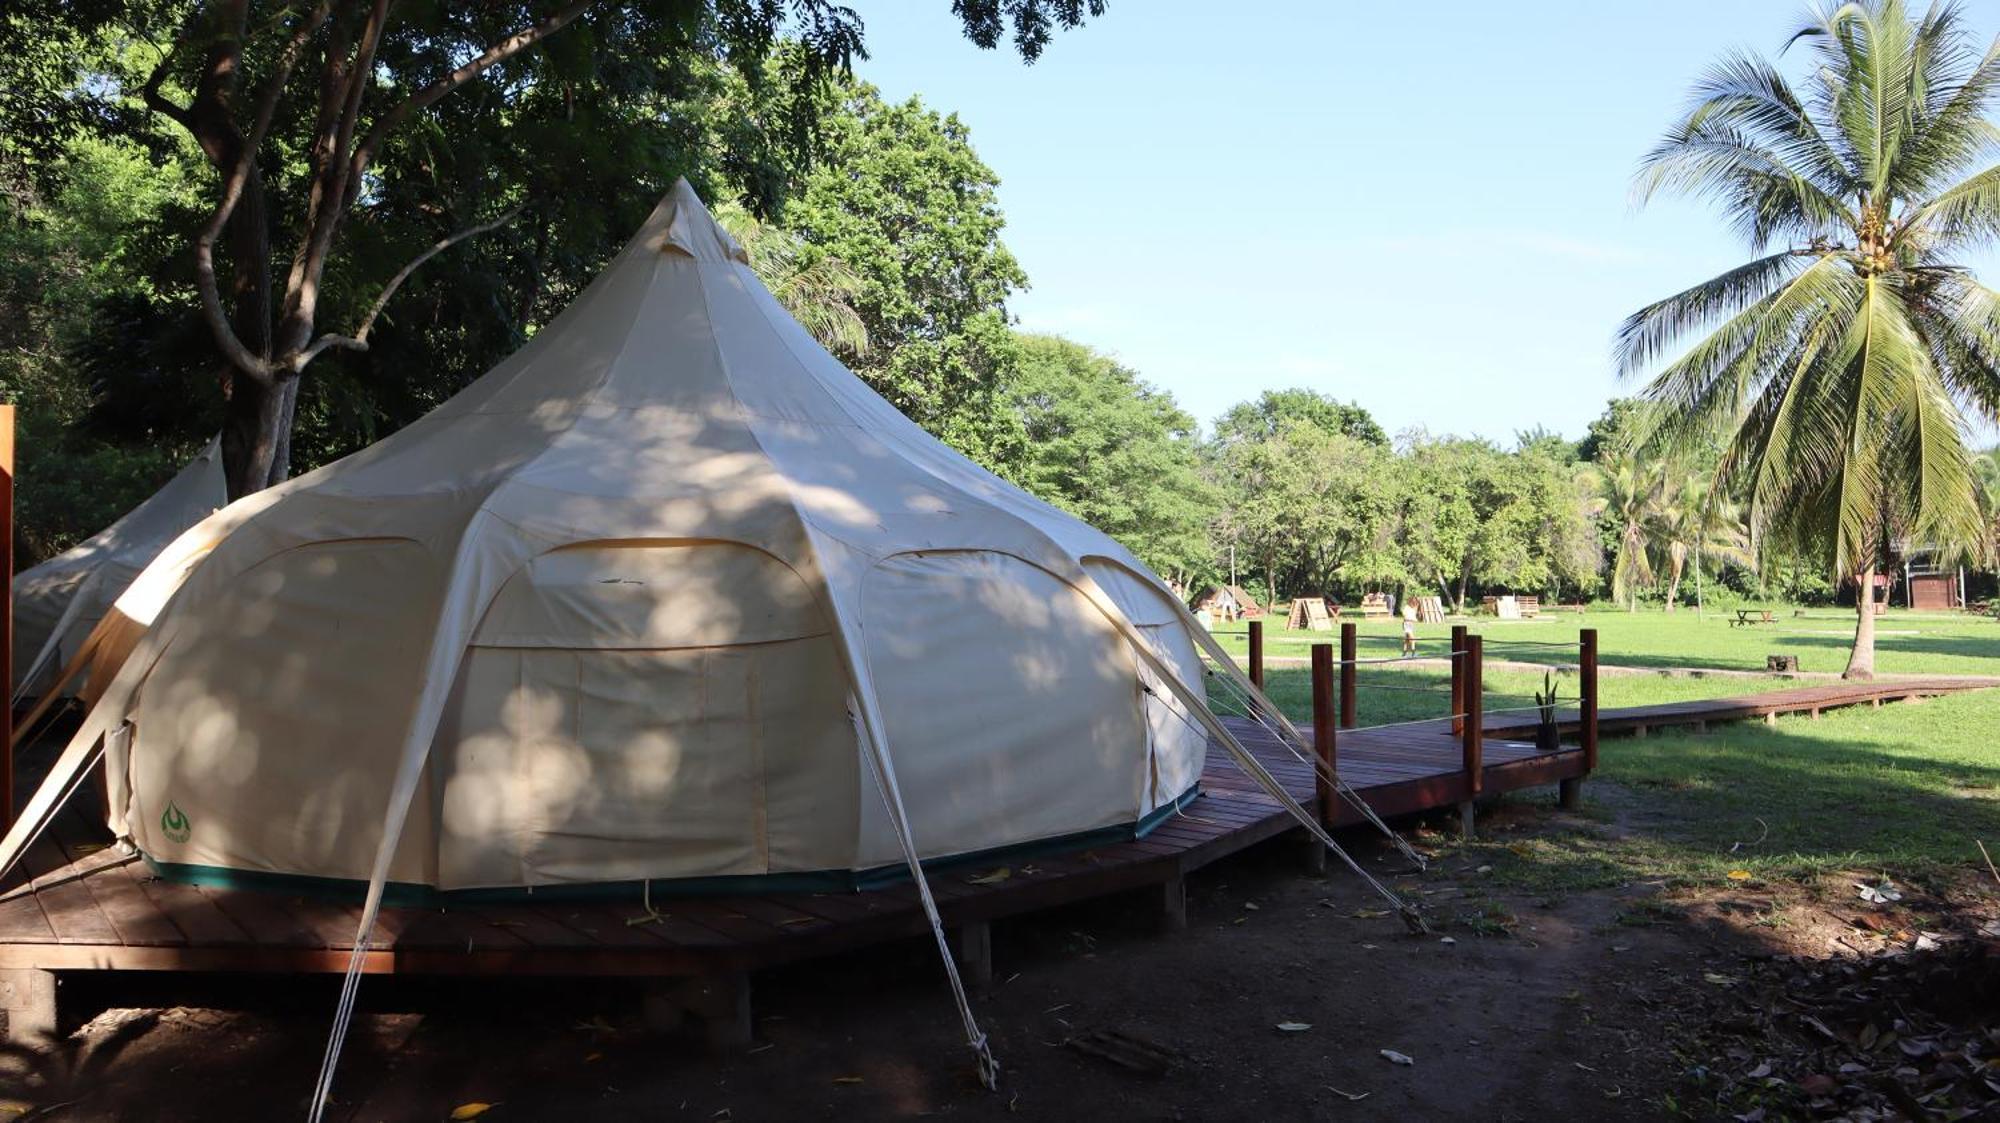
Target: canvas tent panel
{"x":1010,"y":704}
{"x":267,"y":736}
{"x":594,"y":765}
{"x":57,"y":603}
{"x":1179,"y":746}
{"x":651,"y":595}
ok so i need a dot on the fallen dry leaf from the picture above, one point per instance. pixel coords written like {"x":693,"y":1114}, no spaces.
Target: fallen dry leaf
{"x":1395,"y":1058}
{"x":993,"y":878}
{"x":469,"y":1111}
{"x":1295,"y":1027}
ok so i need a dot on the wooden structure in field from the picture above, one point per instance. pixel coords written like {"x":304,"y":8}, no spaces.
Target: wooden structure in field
{"x":1229,"y":603}
{"x":1309,"y":614}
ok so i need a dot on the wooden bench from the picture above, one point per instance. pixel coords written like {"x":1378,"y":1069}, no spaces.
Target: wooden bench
{"x":1374,"y":605}
{"x":1748,"y":616}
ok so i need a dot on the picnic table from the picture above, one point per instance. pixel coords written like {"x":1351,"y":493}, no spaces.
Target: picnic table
{"x":1748,"y":616}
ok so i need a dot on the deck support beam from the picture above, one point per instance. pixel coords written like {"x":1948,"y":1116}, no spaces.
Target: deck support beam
{"x":28,"y":1003}
{"x":1173,"y":904}
{"x":1465,"y":820}
{"x":972,"y":946}
{"x":1569,"y":793}
{"x":716,"y":1005}
{"x":1312,"y":852}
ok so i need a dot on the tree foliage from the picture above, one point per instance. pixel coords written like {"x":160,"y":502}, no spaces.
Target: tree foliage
{"x":1273,"y":409}
{"x":348,"y":143}
{"x":898,"y":194}
{"x":1114,"y":451}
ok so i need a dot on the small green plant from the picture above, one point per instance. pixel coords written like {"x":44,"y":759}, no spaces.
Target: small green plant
{"x":1545,"y":698}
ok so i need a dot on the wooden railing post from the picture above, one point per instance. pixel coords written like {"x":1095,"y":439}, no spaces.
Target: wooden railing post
{"x":1571,"y":789}
{"x":1257,"y":654}
{"x":1457,"y":679}
{"x":1587,"y":696}
{"x":1323,"y":728}
{"x":1350,"y":645}
{"x":1471,"y":741}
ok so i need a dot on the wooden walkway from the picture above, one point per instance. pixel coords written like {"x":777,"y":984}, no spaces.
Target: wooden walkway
{"x":82,"y":906}
{"x":1768,"y":706}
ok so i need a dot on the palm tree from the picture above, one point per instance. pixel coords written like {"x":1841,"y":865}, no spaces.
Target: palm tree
{"x":1986,"y":474}
{"x":1838,"y":366}
{"x":1698,"y":518}
{"x":1625,"y":492}
{"x":818,"y":289}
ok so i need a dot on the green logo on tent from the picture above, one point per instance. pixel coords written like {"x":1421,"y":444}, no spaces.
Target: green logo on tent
{"x":174,"y":822}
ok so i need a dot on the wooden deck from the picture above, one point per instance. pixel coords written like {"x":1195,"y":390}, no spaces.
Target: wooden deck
{"x":1809,"y":700}
{"x":82,"y":906}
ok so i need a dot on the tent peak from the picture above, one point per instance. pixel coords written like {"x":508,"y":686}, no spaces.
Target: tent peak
{"x":681,"y":224}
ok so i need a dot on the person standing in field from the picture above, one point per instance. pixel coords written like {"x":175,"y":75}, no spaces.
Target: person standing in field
{"x":1409,"y":628}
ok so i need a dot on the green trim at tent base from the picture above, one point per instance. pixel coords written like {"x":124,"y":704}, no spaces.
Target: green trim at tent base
{"x":405,"y":894}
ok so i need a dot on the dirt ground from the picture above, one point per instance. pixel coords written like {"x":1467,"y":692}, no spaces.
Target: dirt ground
{"x":1588,"y":1005}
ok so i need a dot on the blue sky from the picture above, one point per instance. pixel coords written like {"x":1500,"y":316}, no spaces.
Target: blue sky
{"x":1422,"y":207}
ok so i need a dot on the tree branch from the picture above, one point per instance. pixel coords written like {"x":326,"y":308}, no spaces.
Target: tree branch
{"x":329,"y":197}
{"x":359,"y":340}
{"x":497,"y":53}
{"x":204,"y":247}
{"x":157,"y":101}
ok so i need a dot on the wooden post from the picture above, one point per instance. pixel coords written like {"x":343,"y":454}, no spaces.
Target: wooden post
{"x":973,"y":949}
{"x":1323,"y":728}
{"x":1571,"y":790}
{"x":1587,"y":696}
{"x":1458,"y":634}
{"x":1350,"y":646}
{"x":1257,"y":654}
{"x":7,"y":610}
{"x":1471,"y":742}
{"x":1173,"y":904}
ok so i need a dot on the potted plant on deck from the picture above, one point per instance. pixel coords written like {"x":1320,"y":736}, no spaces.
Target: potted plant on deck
{"x":1547,"y":735}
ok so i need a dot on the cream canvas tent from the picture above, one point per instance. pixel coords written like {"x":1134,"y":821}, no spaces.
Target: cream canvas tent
{"x":669,"y":594}
{"x":58,"y":602}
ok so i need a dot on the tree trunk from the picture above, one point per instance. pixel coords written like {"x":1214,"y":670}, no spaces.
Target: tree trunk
{"x":251,"y":417}
{"x":1461,"y":594}
{"x":1674,"y":587}
{"x":1861,"y":662}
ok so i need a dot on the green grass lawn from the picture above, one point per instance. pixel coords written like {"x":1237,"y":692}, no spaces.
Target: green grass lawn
{"x":1906,"y":642}
{"x":1901,"y":791}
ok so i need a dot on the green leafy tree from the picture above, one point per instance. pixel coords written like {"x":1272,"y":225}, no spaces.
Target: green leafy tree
{"x":1273,"y":409}
{"x":1314,"y":509}
{"x":900,"y":196}
{"x":1839,"y":365}
{"x":1115,"y":452}
{"x":1438,"y":520}
{"x":358,"y":135}
{"x":1612,"y":432}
